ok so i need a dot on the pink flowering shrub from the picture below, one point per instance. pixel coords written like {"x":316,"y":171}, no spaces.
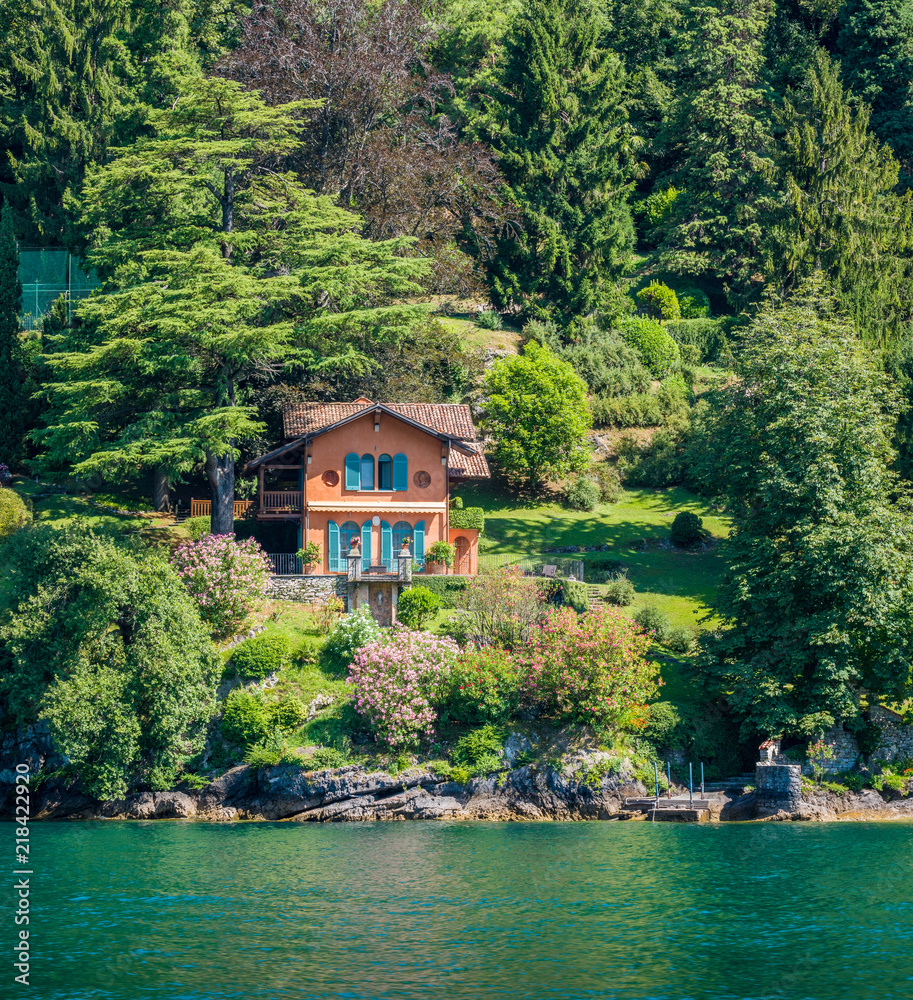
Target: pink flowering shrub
{"x":399,"y":679}
{"x":226,"y":578}
{"x":588,"y":667}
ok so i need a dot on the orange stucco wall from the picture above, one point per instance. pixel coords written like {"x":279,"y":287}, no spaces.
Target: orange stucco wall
{"x":328,"y":454}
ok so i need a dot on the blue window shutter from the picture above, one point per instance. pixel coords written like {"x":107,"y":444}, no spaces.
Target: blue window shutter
{"x":333,"y":529}
{"x":418,"y":546}
{"x":400,"y":472}
{"x":385,"y":473}
{"x":367,"y":472}
{"x":353,"y":472}
{"x":386,"y":546}
{"x":366,"y":546}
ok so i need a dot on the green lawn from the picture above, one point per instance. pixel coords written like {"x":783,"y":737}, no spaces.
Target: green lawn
{"x":472,"y":335}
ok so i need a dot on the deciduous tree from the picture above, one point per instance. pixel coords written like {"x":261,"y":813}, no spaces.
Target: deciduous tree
{"x":13,"y":402}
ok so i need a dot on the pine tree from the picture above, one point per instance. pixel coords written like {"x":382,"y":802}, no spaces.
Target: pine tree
{"x":875,"y":46}
{"x":219,"y":269}
{"x":13,"y":404}
{"x":839,"y":214}
{"x":559,"y":129}
{"x":720,"y":137}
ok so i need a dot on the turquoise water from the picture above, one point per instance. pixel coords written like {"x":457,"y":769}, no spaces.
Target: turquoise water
{"x":425,"y":910}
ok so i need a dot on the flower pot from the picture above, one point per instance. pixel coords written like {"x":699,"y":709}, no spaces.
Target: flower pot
{"x":437,"y":569}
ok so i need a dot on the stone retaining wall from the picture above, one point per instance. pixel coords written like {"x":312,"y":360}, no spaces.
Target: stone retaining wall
{"x":308,"y":589}
{"x":778,"y":786}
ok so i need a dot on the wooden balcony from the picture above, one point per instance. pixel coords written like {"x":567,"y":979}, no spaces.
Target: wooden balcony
{"x":272,"y":503}
{"x":203,"y":508}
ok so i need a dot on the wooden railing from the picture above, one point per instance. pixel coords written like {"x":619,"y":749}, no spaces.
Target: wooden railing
{"x":203,"y":508}
{"x":285,"y":563}
{"x":275,"y":501}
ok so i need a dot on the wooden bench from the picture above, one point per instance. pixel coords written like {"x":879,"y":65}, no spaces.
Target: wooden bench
{"x":549,"y":571}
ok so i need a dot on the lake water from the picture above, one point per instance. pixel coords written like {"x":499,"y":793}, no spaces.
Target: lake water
{"x":424,"y":910}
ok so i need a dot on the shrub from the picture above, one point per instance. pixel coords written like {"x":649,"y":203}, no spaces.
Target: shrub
{"x":654,"y":622}
{"x":619,"y":590}
{"x":687,"y":529}
{"x":480,"y":751}
{"x":484,"y":687}
{"x":708,"y":335}
{"x":664,"y":720}
{"x":660,"y":301}
{"x":198,"y":527}
{"x":327,"y":614}
{"x":440,"y":552}
{"x":226,"y":578}
{"x":310,"y":554}
{"x":657,"y":207}
{"x":588,"y":667}
{"x":14,"y":512}
{"x":854,"y":782}
{"x":608,"y":480}
{"x":288,"y":714}
{"x":416,"y":605}
{"x":467,"y":517}
{"x":581,"y":492}
{"x":398,"y":680}
{"x":576,"y":595}
{"x":694,"y":303}
{"x":245,"y":720}
{"x":448,"y":588}
{"x":353,"y":631}
{"x":136,"y":505}
{"x":680,"y":639}
{"x":502,"y":606}
{"x":657,"y":350}
{"x":489,"y":320}
{"x":261,"y":656}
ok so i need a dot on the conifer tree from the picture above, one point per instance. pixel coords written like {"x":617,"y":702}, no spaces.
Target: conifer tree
{"x":220,"y":268}
{"x":839,"y":214}
{"x":720,"y":137}
{"x":13,"y":404}
{"x":559,"y":129}
{"x":875,"y":46}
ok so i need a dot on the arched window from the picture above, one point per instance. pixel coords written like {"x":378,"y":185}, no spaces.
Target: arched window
{"x":385,"y":473}
{"x":367,"y":472}
{"x":400,"y":472}
{"x":401,"y":530}
{"x":347,"y":532}
{"x":353,"y":472}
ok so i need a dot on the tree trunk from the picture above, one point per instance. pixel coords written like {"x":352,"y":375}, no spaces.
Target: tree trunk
{"x":160,"y":487}
{"x":220,"y":470}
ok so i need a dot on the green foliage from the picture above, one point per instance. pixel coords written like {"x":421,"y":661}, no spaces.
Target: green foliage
{"x":501,"y":608}
{"x":440,"y":552}
{"x":310,"y":554}
{"x":680,"y":639}
{"x":845,"y":222}
{"x":660,"y":301}
{"x":484,"y":687}
{"x":416,"y":605}
{"x":657,"y":350}
{"x":664,"y":721}
{"x":448,"y":588}
{"x":288,"y":714}
{"x":608,"y":480}
{"x":261,"y":655}
{"x":853,"y":782}
{"x":687,"y":529}
{"x":581,"y":492}
{"x":654,"y":621}
{"x":557,"y":126}
{"x":537,"y":415}
{"x":245,"y":719}
{"x":868,"y":736}
{"x":15,"y":513}
{"x":13,"y":402}
{"x":694,"y":303}
{"x":814,"y":602}
{"x":658,"y":206}
{"x":480,"y":751}
{"x":198,"y":527}
{"x":576,"y":595}
{"x":619,"y":590}
{"x":103,"y":641}
{"x":353,"y":631}
{"x":467,"y":517}
{"x":708,"y":335}
{"x":119,"y":501}
{"x":489,"y":320}
{"x":645,"y":409}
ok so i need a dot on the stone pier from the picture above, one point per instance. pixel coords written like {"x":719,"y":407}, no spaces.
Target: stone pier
{"x":778,"y":786}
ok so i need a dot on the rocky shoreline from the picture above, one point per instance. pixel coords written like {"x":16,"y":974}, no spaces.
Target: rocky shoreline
{"x":353,"y":794}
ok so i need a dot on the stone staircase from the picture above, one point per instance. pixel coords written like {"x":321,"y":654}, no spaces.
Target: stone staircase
{"x":595,"y":595}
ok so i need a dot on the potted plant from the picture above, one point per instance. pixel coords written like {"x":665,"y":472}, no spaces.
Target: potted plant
{"x":440,"y":556}
{"x":309,"y":556}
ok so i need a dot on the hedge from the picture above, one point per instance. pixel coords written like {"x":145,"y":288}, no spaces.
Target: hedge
{"x":444,"y":586}
{"x":468,"y":517}
{"x":707,"y":335}
{"x":15,"y":512}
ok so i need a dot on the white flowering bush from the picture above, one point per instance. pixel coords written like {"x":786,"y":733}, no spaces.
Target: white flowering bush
{"x":351,"y":632}
{"x":399,"y":679}
{"x":227,"y":578}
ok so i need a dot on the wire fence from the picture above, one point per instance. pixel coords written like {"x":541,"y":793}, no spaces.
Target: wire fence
{"x":532,"y":563}
{"x":45,"y":275}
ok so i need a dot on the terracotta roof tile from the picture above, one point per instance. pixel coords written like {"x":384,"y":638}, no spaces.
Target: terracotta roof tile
{"x":453,"y":419}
